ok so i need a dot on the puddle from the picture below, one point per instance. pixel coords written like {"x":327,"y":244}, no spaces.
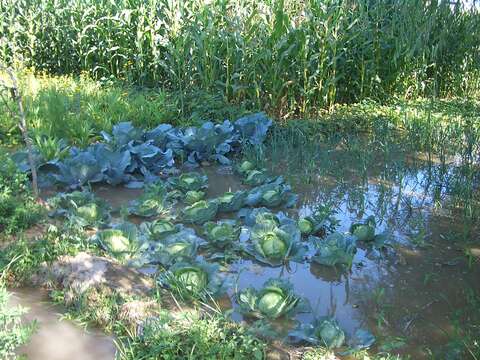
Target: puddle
{"x":57,"y":339}
{"x":408,"y":291}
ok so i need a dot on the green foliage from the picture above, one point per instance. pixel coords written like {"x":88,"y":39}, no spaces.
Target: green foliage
{"x":270,"y":54}
{"x":222,"y":234}
{"x":13,"y":332}
{"x":275,"y":299}
{"x":18,"y":210}
{"x":213,"y":337}
{"x":200,"y":212}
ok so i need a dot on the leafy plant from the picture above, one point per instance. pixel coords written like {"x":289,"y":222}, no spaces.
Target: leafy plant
{"x":274,"y":245}
{"x":324,"y":331}
{"x":195,"y":280}
{"x":271,"y":195}
{"x":319,"y":222}
{"x":200,"y":212}
{"x":158,"y":229}
{"x":193,"y":196}
{"x":122,"y":241}
{"x":275,"y":299}
{"x":364,"y":231}
{"x":170,"y":247}
{"x":82,"y":208}
{"x":192,"y":181}
{"x":231,"y":201}
{"x":155,"y":201}
{"x":335,"y":249}
{"x":244,"y":167}
{"x":256,"y":177}
{"x":222,"y":234}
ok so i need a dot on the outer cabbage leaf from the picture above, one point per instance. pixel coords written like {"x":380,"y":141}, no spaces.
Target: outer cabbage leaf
{"x":155,"y":201}
{"x":364,"y":231}
{"x":122,"y":134}
{"x":272,"y":195}
{"x":121,"y":241}
{"x":321,"y":221}
{"x":192,"y":181}
{"x":79,"y":170}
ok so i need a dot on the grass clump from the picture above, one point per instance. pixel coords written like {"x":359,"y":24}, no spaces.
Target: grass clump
{"x":18,"y":209}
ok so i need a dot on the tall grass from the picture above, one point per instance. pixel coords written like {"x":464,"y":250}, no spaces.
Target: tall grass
{"x":287,"y":56}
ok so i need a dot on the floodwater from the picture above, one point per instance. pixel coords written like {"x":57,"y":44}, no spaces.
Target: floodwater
{"x":57,"y":339}
{"x":407,"y":293}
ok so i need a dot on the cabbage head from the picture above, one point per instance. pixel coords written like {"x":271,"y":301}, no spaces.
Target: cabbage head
{"x":221,"y":233}
{"x":274,"y":300}
{"x":155,"y":201}
{"x":231,"y":201}
{"x":324,"y":331}
{"x":81,"y":208}
{"x":271,"y":195}
{"x":179,"y":246}
{"x":193,"y":196}
{"x":199,"y":280}
{"x":364,"y":231}
{"x":256,"y":177}
{"x":200,"y":212}
{"x":335,"y":249}
{"x":158,"y":229}
{"x":320,"y":221}
{"x":191,"y":181}
{"x":275,"y":245}
{"x":121,"y":241}
{"x":245,"y":167}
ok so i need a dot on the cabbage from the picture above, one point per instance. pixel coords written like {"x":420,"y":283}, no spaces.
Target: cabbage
{"x":195,"y":280}
{"x":230,"y":202}
{"x":274,"y":245}
{"x":271,"y":195}
{"x":121,"y":241}
{"x":323,"y":331}
{"x":158,"y":229}
{"x":222,"y":233}
{"x":320,"y":221}
{"x":193,"y":196}
{"x":336,"y":249}
{"x":154,"y":201}
{"x":256,"y":177}
{"x":274,"y":300}
{"x":200,"y":212}
{"x":167,"y":249}
{"x":364,"y":231}
{"x":192,"y":181}
{"x":81,"y":208}
{"x":244,"y":167}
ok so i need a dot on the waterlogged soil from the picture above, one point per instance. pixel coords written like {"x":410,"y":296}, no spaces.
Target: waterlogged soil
{"x":57,"y":339}
{"x":405,"y":293}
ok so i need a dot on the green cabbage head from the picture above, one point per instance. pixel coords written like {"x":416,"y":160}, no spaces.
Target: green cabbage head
{"x":200,"y":212}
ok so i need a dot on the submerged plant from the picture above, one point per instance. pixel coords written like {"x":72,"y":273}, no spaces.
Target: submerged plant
{"x":200,"y":212}
{"x":82,"y":208}
{"x":324,"y":332}
{"x":199,"y":280}
{"x":121,"y":241}
{"x":335,"y":249}
{"x":320,"y":221}
{"x":276,"y":299}
{"x":231,"y":201}
{"x":256,"y":177}
{"x":364,"y":231}
{"x":221,"y":234}
{"x":274,"y":245}
{"x":192,"y":181}
{"x":244,"y":167}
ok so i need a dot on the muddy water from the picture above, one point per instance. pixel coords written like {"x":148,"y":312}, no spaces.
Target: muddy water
{"x":406,"y":292}
{"x":57,"y":339}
